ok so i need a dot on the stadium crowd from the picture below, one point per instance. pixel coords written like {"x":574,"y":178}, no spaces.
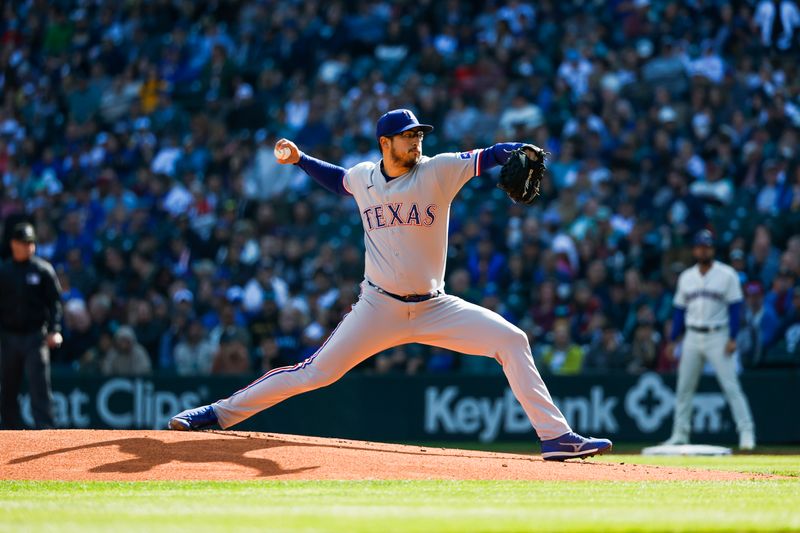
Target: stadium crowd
{"x":137,"y":136}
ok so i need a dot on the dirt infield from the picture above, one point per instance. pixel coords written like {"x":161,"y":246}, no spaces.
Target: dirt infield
{"x":78,"y":455}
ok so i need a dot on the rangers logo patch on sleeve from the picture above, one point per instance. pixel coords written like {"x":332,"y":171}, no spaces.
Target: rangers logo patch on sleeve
{"x":465,"y":155}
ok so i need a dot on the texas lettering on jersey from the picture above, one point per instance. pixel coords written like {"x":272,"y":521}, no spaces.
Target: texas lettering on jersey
{"x":405,"y":220}
{"x":395,"y":214}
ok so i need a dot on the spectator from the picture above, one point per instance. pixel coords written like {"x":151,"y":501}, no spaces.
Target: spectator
{"x":78,"y":336}
{"x":645,"y":344}
{"x":230,"y":320}
{"x":685,"y":212}
{"x":710,"y":65}
{"x":231,"y":356}
{"x":267,"y":354}
{"x":585,"y":307}
{"x":148,"y":328}
{"x":126,"y":356}
{"x":405,"y":359}
{"x":667,"y":70}
{"x":91,"y":361}
{"x":786,"y":350}
{"x":738,"y":262}
{"x":459,"y":284}
{"x":667,"y":356}
{"x":247,"y":114}
{"x":288,"y":336}
{"x":522,"y":116}
{"x":459,"y":122}
{"x":194,"y":355}
{"x":759,"y":326}
{"x":608,"y":353}
{"x":779,"y":297}
{"x":575,"y":71}
{"x":767,"y":201}
{"x":563,"y":357}
{"x":764,"y":260}
{"x":715,"y":188}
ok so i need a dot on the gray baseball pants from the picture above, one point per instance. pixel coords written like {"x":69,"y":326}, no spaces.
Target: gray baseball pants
{"x":378,"y":322}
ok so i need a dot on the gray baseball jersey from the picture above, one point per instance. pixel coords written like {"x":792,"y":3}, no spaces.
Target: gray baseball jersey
{"x":406,"y":219}
{"x":405,"y":232}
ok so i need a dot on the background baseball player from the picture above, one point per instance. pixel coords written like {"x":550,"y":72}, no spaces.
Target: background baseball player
{"x":708,"y":302}
{"x":404,"y":202}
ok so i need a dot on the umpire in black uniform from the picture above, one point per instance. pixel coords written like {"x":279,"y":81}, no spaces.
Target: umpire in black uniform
{"x":30,"y":324}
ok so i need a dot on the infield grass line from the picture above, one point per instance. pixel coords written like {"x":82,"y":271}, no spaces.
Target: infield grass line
{"x":779,"y":463}
{"x":402,"y":506}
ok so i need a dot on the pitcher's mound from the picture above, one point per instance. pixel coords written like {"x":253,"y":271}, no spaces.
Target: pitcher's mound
{"x":227,"y":455}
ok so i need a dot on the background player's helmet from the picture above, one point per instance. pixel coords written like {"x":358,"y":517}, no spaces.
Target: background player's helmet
{"x":704,"y":238}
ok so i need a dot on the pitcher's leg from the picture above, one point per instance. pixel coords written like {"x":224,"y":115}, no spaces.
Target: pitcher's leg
{"x":373,"y":325}
{"x":689,"y":369}
{"x":725,"y":368}
{"x":454,"y":324}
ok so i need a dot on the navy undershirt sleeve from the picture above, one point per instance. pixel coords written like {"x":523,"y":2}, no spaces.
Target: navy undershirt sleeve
{"x":496,"y":155}
{"x":326,"y":174}
{"x":678,"y":319}
{"x":734,"y":319}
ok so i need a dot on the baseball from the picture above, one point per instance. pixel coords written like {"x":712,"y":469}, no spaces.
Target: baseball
{"x":282,"y":153}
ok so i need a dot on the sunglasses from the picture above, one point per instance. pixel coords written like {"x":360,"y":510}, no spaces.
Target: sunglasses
{"x":410,"y":135}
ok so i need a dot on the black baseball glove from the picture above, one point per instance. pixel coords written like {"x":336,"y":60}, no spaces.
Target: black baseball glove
{"x":522,"y":174}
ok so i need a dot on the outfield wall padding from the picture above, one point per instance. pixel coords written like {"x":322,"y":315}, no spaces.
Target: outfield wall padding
{"x":438,"y":408}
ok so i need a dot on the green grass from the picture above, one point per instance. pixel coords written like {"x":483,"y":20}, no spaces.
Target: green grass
{"x":774,"y":460}
{"x":777,"y":465}
{"x":627,"y":448}
{"x":403,"y":506}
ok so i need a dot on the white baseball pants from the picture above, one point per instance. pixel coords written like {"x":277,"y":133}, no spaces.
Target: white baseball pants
{"x":378,"y":322}
{"x":696,"y":349}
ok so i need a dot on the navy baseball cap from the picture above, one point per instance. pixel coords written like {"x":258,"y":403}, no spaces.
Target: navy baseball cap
{"x":23,"y":232}
{"x":397,"y":121}
{"x":704,"y":238}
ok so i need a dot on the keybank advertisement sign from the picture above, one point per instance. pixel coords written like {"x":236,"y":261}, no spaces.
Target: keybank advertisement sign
{"x":435,"y":408}
{"x":601,"y":408}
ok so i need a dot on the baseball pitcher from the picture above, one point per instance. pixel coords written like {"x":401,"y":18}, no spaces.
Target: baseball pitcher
{"x":708,"y":304}
{"x":404,"y":201}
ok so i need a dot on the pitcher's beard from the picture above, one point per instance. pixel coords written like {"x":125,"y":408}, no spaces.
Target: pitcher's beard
{"x":406,"y":160}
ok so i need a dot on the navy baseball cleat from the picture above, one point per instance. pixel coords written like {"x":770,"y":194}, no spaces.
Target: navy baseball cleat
{"x":571,"y":445}
{"x":194,"y":419}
